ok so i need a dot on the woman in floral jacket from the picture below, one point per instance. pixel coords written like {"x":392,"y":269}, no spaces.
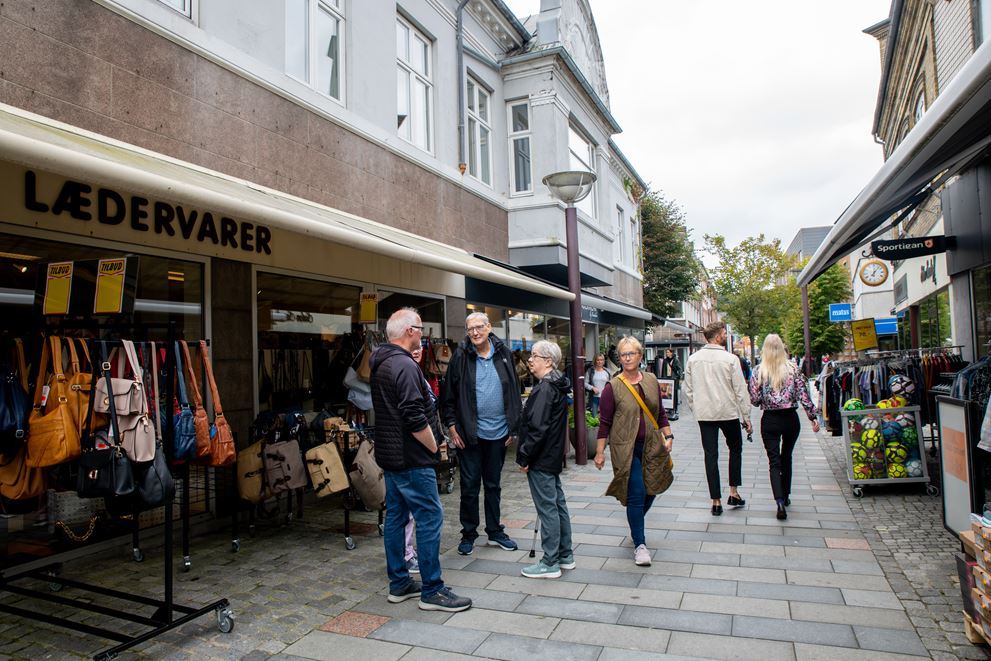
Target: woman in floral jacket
{"x":777,"y":387}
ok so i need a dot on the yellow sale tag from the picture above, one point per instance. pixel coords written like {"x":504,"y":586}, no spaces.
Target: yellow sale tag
{"x":58,"y":288}
{"x":368,"y":312}
{"x":109,"y":286}
{"x":864,"y":334}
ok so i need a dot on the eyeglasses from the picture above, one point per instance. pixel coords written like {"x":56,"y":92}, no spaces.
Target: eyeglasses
{"x":629,"y":354}
{"x":476,"y":329}
{"x":419,"y":328}
{"x":537,"y":355}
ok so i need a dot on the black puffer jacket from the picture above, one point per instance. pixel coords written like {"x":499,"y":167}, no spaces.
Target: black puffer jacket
{"x":403,"y":404}
{"x":458,"y":404}
{"x":544,"y":429}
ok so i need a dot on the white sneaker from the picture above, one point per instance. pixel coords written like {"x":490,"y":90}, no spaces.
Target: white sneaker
{"x":641,"y":556}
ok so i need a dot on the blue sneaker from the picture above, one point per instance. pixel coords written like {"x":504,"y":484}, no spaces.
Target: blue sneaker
{"x":466,"y":547}
{"x":566,"y":562}
{"x":412,"y":589}
{"x":540,"y":570}
{"x":445,"y":600}
{"x":503,"y":541}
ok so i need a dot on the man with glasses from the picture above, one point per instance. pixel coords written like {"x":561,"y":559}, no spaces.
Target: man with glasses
{"x":407,"y":432}
{"x":481,"y":409}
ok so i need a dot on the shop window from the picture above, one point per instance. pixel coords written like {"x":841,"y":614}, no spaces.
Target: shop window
{"x":184,"y":7}
{"x":307,"y":339}
{"x":479,"y":133}
{"x":431,"y":311}
{"x":934,"y":320}
{"x":415,"y":85}
{"x":314,"y":52}
{"x":519,"y":147}
{"x":582,"y":157}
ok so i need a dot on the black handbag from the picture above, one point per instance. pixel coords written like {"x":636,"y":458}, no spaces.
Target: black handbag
{"x":104,"y":470}
{"x":15,"y":405}
{"x":155,"y":485}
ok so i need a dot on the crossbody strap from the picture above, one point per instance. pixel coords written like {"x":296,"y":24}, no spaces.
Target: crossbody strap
{"x":191,"y":373}
{"x":643,"y":406}
{"x":218,"y":410}
{"x":180,"y":379}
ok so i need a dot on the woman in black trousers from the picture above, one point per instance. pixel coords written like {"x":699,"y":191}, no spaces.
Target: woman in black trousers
{"x":778,"y":387}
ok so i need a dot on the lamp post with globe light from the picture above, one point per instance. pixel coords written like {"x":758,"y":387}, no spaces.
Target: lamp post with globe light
{"x":571,"y":187}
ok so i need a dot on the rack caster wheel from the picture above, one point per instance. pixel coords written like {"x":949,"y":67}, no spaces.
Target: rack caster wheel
{"x":349,"y":543}
{"x":235,"y":545}
{"x":187,"y":564}
{"x":449,"y":488}
{"x":381,"y":530}
{"x":932,"y":490}
{"x":138,"y":555}
{"x":225,"y":620}
{"x":858,"y":492}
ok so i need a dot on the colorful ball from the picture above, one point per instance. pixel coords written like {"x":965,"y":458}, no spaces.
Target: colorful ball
{"x":899,"y":384}
{"x":898,"y":402}
{"x":871,"y":438}
{"x":914,"y":468}
{"x":905,"y":420}
{"x":862,"y":472}
{"x":884,"y":404}
{"x":853,"y":404}
{"x":910,"y":436}
{"x":897,"y":471}
{"x":895,"y":453}
{"x":892,"y":431}
{"x":858,"y":452}
{"x":871,"y":422}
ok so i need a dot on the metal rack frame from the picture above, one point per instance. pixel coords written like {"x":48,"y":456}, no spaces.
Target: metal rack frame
{"x":858,"y":484}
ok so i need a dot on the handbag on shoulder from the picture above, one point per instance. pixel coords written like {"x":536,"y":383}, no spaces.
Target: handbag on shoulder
{"x":53,"y":429}
{"x":200,"y":420}
{"x":15,"y":405}
{"x":223,"y":451}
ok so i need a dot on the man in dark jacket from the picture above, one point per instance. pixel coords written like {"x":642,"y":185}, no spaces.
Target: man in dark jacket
{"x":541,"y":456}
{"x":481,"y":409}
{"x":406,"y":437}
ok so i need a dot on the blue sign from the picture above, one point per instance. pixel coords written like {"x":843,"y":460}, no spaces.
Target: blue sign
{"x":839,"y":312}
{"x":886,"y":325}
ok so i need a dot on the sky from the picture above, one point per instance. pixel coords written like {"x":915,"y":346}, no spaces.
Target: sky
{"x":752,"y":116}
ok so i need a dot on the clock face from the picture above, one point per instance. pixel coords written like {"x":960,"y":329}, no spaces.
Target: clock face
{"x":874,"y":273}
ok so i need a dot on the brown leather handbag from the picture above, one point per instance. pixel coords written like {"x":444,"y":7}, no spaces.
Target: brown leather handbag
{"x":223,"y":452}
{"x":200,"y":420}
{"x":53,"y":428}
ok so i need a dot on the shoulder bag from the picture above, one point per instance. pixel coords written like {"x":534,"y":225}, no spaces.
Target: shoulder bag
{"x":223,"y":451}
{"x":184,"y":427}
{"x":15,"y":406}
{"x":104,"y":470}
{"x":251,"y":474}
{"x":18,"y":481}
{"x":53,"y":433}
{"x":367,"y":478}
{"x":129,"y":396}
{"x":200,"y":420}
{"x":137,"y":432}
{"x":327,"y":473}
{"x":153,"y":480}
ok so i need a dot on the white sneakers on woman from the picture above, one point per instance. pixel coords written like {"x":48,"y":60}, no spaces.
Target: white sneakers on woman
{"x":641,"y":556}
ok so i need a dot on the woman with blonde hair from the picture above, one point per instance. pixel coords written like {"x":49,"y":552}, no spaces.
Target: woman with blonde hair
{"x":778,"y":387}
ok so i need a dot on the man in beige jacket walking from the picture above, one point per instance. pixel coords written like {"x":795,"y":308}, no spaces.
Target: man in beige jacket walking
{"x":716,"y":392}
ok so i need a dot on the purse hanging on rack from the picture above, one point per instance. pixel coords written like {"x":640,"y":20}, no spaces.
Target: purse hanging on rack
{"x":184,"y":436}
{"x":154,"y":482}
{"x":18,"y":481}
{"x":104,"y":469}
{"x":15,"y":405}
{"x":222,"y":449}
{"x":53,"y":432}
{"x":129,"y":395}
{"x":200,"y":420}
{"x":137,"y":432}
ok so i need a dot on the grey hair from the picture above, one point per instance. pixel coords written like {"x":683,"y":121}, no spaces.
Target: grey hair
{"x":631,"y":342}
{"x":480,"y":316}
{"x":399,"y":321}
{"x":547,"y":348}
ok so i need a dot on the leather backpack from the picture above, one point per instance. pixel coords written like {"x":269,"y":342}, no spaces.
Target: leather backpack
{"x":327,"y":474}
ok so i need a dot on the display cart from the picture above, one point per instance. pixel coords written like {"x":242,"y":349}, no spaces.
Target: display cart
{"x":883,"y":447}
{"x":347,"y":444}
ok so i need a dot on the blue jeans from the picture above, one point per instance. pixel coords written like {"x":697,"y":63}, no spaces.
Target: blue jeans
{"x":413,"y":491}
{"x":552,"y":510}
{"x":637,"y":500}
{"x":594,"y":406}
{"x":481,"y":466}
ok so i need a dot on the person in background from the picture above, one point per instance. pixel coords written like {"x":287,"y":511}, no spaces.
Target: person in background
{"x":481,"y":410}
{"x":596,"y":379}
{"x":640,"y":457}
{"x":406,"y":437}
{"x":716,"y":392}
{"x":778,"y":387}
{"x":745,"y":367}
{"x":540,"y":456}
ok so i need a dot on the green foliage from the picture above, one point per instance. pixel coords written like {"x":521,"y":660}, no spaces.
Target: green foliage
{"x":753,"y":284}
{"x":833,"y":286}
{"x":590,"y":420}
{"x":671,"y":269}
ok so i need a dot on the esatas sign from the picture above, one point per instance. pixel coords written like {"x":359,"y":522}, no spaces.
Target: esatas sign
{"x":915,"y":247}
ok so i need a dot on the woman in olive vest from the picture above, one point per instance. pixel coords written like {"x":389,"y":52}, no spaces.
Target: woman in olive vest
{"x":639,"y":444}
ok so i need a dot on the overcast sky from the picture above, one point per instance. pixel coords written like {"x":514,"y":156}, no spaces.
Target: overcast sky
{"x":753,"y":116}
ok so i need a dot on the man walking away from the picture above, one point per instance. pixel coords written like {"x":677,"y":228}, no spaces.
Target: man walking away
{"x":717,"y":394}
{"x":481,"y":409}
{"x":406,"y":437}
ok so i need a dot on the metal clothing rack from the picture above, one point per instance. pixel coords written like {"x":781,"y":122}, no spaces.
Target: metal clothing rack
{"x":163,"y":618}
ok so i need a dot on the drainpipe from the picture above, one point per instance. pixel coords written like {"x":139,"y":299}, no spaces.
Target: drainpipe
{"x":461,"y":85}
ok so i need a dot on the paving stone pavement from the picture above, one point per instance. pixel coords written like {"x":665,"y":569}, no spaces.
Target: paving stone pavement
{"x":840,"y":579}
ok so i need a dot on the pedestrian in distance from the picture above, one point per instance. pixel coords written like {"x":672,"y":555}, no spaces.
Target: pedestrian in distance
{"x":481,"y":410}
{"x":596,"y":379}
{"x":717,"y":393}
{"x":634,"y":423}
{"x":540,"y":456}
{"x":778,"y":388}
{"x":407,"y":433}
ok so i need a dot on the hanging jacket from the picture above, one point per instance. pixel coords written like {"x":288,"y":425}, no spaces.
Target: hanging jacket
{"x":459,"y":407}
{"x":544,"y":429}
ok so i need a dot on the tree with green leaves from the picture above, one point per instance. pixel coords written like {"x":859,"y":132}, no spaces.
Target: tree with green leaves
{"x":753,"y":284}
{"x":671,"y":269}
{"x":833,"y":286}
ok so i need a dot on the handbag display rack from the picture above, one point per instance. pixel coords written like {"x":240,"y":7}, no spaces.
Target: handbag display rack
{"x":167,"y":614}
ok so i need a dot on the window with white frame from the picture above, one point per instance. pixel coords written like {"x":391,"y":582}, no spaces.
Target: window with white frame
{"x":314,"y":48}
{"x":479,"y":132}
{"x":621,"y":247}
{"x":184,"y":7}
{"x":519,"y":147}
{"x":582,"y":158}
{"x":415,"y":85}
{"x":634,"y":242}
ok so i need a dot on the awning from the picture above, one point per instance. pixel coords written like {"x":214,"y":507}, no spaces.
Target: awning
{"x":37,"y":142}
{"x":953,"y":133}
{"x":616,"y":313}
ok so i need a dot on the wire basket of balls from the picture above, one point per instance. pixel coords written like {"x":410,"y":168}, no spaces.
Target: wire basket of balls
{"x":884,"y":443}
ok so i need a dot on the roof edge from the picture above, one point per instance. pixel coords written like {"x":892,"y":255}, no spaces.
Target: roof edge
{"x":622,"y":157}
{"x":513,"y":20}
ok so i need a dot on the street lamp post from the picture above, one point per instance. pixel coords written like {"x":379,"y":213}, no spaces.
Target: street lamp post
{"x":571,"y":187}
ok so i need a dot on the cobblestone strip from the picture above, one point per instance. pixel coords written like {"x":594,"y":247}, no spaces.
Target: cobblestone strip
{"x":904,"y":527}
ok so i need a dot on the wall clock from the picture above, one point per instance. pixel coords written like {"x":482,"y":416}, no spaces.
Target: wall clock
{"x":874,"y":272}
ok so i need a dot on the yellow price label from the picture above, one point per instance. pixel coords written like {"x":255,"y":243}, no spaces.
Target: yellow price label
{"x":58,"y":288}
{"x":109,"y":297}
{"x":368,"y":311}
{"x":864,"y":335}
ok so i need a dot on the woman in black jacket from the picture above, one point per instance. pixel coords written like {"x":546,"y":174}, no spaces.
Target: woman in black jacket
{"x":541,"y":455}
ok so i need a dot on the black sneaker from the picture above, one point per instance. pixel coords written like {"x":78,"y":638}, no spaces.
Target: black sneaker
{"x":411,"y":590}
{"x":445,"y":600}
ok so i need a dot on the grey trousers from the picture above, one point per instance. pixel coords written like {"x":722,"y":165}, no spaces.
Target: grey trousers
{"x":552,"y":510}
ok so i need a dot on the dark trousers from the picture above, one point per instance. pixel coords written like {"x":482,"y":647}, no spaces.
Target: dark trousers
{"x":780,"y":429}
{"x":710,"y":445}
{"x":481,"y":465}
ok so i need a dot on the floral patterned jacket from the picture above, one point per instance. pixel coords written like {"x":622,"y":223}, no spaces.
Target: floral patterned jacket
{"x":794,"y":391}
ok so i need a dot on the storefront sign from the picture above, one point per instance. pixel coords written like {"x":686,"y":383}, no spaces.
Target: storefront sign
{"x":914,"y":247}
{"x":864,"y":335}
{"x":109,"y":207}
{"x":839,"y":312}
{"x":886,"y":325}
{"x":590,"y":314}
{"x":368,"y":310}
{"x":109,"y":298}
{"x":58,"y":288}
{"x":924,"y":276}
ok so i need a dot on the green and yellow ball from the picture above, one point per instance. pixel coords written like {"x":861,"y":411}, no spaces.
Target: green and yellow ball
{"x":862,"y":472}
{"x":871,"y":438}
{"x":858,"y":452}
{"x":897,"y":471}
{"x":895,"y":453}
{"x":853,"y":404}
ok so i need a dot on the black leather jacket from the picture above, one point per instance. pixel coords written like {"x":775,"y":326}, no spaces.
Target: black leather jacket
{"x":458,"y":405}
